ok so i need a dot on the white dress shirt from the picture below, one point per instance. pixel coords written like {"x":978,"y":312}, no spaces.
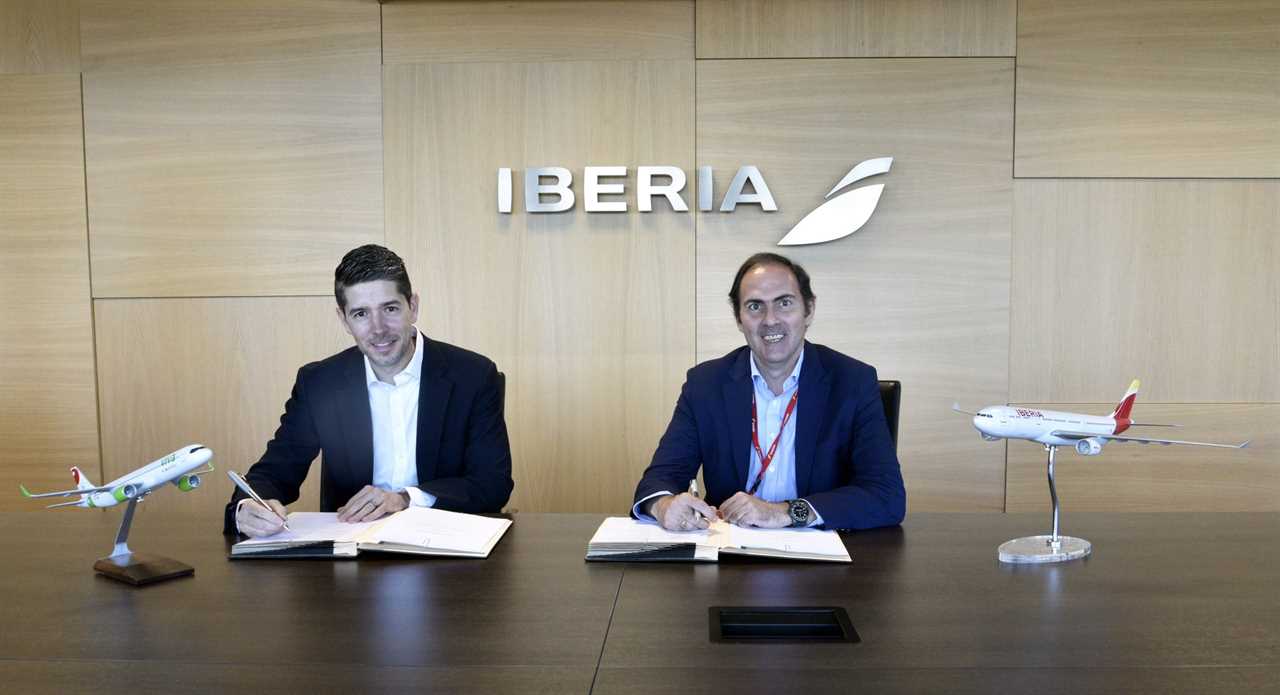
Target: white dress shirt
{"x":395,"y":428}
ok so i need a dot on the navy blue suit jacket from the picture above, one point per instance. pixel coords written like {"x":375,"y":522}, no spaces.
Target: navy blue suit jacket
{"x":463,"y":454}
{"x":846,"y":466}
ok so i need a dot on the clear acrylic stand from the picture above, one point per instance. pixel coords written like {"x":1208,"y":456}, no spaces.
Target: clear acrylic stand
{"x":1050,"y":548}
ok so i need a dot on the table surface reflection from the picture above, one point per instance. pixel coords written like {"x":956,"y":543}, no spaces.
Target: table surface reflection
{"x":1166,"y":602}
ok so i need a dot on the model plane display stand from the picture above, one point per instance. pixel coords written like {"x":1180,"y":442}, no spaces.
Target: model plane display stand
{"x":138,"y":568}
{"x":1050,"y":548}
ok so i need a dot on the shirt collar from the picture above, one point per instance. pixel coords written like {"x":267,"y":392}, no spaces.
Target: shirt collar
{"x":413,"y":371}
{"x":757,"y":378}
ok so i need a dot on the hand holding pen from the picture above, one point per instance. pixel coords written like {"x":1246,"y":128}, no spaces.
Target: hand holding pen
{"x":683,"y":512}
{"x":265,"y":518}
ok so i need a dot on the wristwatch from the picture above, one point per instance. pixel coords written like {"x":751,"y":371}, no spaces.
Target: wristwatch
{"x":800,"y":512}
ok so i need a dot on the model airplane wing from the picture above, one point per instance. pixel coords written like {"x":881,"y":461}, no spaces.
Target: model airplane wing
{"x":65,"y":493}
{"x":1067,"y":434}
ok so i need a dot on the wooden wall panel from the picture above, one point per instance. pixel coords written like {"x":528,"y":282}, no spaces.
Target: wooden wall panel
{"x":230,"y":181}
{"x":590,"y":316}
{"x":39,"y":36}
{"x":48,"y":406}
{"x":1136,"y":477}
{"x":855,"y":28}
{"x":422,"y":32}
{"x":922,"y":291}
{"x":1149,"y":88}
{"x":1173,"y":282}
{"x":214,"y":371}
{"x":121,"y":34}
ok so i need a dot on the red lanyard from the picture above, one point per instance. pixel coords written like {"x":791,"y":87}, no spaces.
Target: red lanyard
{"x":755,"y":438}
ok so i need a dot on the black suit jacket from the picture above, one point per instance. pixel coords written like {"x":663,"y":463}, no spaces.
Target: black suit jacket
{"x":464,"y":456}
{"x":846,"y":466}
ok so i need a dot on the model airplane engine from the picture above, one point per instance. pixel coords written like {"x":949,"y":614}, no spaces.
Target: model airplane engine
{"x":1089,"y":447}
{"x":187,"y":483}
{"x":989,"y":437}
{"x":125,"y":492}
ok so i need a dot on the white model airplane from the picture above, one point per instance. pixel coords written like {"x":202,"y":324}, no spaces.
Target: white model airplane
{"x":1086,"y":433}
{"x":177,"y":468}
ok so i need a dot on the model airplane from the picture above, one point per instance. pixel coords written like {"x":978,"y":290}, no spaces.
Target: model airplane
{"x":1085,"y":433}
{"x":177,"y":468}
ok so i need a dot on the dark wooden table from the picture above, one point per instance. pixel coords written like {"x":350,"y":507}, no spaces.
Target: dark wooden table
{"x":1166,"y":603}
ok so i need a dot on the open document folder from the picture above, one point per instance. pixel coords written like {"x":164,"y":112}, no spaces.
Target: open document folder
{"x":416,"y":530}
{"x":625,"y":539}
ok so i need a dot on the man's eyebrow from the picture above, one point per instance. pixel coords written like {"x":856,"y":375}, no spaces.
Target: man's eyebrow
{"x":762,"y":299}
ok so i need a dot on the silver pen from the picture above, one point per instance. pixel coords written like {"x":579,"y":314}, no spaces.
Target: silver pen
{"x":693,"y":490}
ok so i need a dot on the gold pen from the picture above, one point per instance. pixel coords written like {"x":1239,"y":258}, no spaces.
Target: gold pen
{"x":244,"y":485}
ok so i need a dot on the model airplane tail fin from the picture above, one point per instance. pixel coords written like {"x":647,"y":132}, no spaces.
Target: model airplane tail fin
{"x":1125,"y":406}
{"x":82,"y":481}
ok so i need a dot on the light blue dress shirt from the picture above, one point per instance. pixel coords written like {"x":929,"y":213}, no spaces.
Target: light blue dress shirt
{"x":779,"y":484}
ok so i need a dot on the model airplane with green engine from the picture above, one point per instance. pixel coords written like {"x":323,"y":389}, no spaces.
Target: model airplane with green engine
{"x":178,"y":468}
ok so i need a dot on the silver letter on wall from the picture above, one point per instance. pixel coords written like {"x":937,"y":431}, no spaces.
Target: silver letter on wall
{"x":593,"y":189}
{"x":645,"y":188}
{"x":534,"y":189}
{"x":734,"y":195}
{"x":704,"y":189}
{"x":504,"y":190}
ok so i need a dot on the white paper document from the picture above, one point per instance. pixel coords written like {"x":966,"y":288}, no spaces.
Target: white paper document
{"x":416,"y":530}
{"x":624,"y":538}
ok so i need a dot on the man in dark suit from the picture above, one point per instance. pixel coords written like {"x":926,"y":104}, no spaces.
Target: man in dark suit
{"x":400,"y":419}
{"x":788,"y":433}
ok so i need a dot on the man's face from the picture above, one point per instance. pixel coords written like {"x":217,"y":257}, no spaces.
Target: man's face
{"x":381,"y":320}
{"x":772,"y":316}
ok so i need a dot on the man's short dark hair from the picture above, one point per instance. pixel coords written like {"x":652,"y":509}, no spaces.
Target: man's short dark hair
{"x":759,"y":259}
{"x":366,"y":264}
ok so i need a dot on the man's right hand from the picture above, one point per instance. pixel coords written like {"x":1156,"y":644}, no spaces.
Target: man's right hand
{"x":682,"y":512}
{"x":253,"y":519}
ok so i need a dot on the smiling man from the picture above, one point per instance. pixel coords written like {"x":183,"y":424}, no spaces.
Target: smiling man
{"x":787,"y":433}
{"x":400,"y":419}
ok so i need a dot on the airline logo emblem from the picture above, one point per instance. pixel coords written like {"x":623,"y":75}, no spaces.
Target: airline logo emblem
{"x":845,"y":214}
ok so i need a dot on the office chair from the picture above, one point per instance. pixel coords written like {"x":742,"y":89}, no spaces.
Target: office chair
{"x":891,"y":397}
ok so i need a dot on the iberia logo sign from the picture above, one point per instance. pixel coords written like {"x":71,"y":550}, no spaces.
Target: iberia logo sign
{"x":550,"y":190}
{"x":846,"y":213}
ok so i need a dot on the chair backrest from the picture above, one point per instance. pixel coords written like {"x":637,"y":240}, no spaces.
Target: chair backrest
{"x":891,"y":397}
{"x":502,"y":394}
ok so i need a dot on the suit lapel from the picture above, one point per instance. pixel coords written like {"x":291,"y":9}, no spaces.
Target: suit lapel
{"x":737,"y":404}
{"x":357,"y":420}
{"x":815,"y":389}
{"x":433,"y":402}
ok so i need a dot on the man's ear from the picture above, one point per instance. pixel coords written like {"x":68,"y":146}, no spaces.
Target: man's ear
{"x":413,"y":307}
{"x":811,"y":309}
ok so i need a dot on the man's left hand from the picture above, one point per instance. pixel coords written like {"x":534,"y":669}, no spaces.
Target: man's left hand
{"x":748,"y":510}
{"x":372,"y":503}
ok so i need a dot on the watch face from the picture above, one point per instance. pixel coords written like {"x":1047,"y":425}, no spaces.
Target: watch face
{"x":799,"y":512}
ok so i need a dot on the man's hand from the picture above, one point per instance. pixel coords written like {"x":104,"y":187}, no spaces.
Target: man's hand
{"x":255,"y":520}
{"x":682,"y":512}
{"x":748,"y":510}
{"x":372,"y":503}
